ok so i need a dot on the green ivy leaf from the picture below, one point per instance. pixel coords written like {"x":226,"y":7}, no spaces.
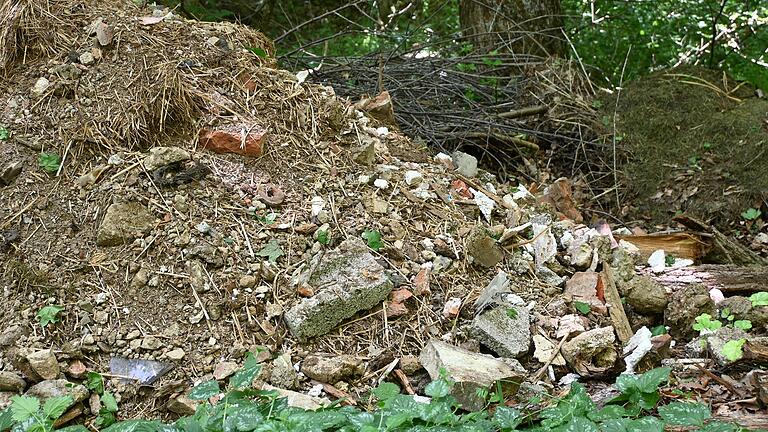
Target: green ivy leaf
{"x":751,"y":214}
{"x":48,"y":315}
{"x":109,"y":401}
{"x":24,"y":407}
{"x":205,"y":391}
{"x":659,"y":330}
{"x":258,"y":51}
{"x":583,"y":308}
{"x":73,"y":428}
{"x":507,"y":418}
{"x":56,"y":406}
{"x":685,"y":413}
{"x":323,"y":238}
{"x":272,"y":250}
{"x":374,"y":239}
{"x":94,"y":382}
{"x":386,"y":391}
{"x":437,"y":389}
{"x":705,"y":322}
{"x":732,"y":349}
{"x":245,"y":376}
{"x":4,"y":134}
{"x":743,"y":324}
{"x":759,"y":299}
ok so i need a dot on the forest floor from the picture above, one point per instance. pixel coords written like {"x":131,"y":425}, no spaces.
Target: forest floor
{"x":172,"y":201}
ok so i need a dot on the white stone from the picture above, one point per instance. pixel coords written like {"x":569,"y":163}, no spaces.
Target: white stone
{"x":412,"y":177}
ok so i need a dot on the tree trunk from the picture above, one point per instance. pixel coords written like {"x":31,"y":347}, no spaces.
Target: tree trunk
{"x":519,"y":26}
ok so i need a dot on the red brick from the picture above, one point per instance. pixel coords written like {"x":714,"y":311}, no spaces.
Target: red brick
{"x":227,"y":139}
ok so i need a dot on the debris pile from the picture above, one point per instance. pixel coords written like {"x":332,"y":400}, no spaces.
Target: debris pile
{"x":275,"y":218}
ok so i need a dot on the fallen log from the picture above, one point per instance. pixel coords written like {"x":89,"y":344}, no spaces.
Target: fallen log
{"x":729,"y":279}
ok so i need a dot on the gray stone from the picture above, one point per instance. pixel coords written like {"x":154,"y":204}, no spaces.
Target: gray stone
{"x":365,"y":153}
{"x":122,"y":223}
{"x":58,"y":387}
{"x":87,"y":58}
{"x":717,"y":340}
{"x":162,"y":156}
{"x":198,"y":278}
{"x":492,"y":293}
{"x":283,"y":374}
{"x":298,"y":400}
{"x":12,"y":334}
{"x":548,"y":277}
{"x":684,"y":306}
{"x":225,"y":369}
{"x":441,"y":264}
{"x":5,"y":399}
{"x":176,"y":354}
{"x":44,"y":363}
{"x":581,"y":256}
{"x":9,"y":173}
{"x":646,"y":296}
{"x":182,"y":405}
{"x":483,"y":250}
{"x":470,"y":372}
{"x":9,"y":381}
{"x":409,"y":364}
{"x":345,"y":281}
{"x":507,"y":337}
{"x":151,"y":343}
{"x":332,"y":369}
{"x":466,"y":164}
{"x":40,"y":87}
{"x":592,"y":351}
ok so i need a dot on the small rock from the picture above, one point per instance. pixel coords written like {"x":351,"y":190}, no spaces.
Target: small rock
{"x":41,"y":85}
{"x":544,"y":350}
{"x":381,"y":183}
{"x":560,"y":196}
{"x":483,"y":249}
{"x":87,"y":58}
{"x":225,"y":370}
{"x":646,"y":296}
{"x":469,"y":370}
{"x":440,"y":264}
{"x":548,"y":277}
{"x":9,"y":173}
{"x":76,"y":369}
{"x":176,"y":354}
{"x":44,"y":363}
{"x":151,"y":343}
{"x":283,"y":374}
{"x":198,"y":278}
{"x":466,"y":164}
{"x":717,"y":340}
{"x":504,"y":329}
{"x":182,"y":405}
{"x":684,"y":306}
{"x":365,"y":153}
{"x":410,"y":364}
{"x":299,"y":400}
{"x":583,"y":287}
{"x":581,"y":256}
{"x":413,"y":177}
{"x":162,"y":156}
{"x":332,"y":369}
{"x":58,"y":387}
{"x":122,"y":223}
{"x":9,"y":381}
{"x":591,"y":352}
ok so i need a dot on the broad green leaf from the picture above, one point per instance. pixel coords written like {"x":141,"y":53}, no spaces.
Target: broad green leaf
{"x":49,"y":162}
{"x":579,"y":424}
{"x":759,"y":299}
{"x":24,"y":407}
{"x":136,"y":426}
{"x":751,"y":214}
{"x":109,"y":401}
{"x":645,"y":424}
{"x":743,"y":324}
{"x":583,"y":308}
{"x":272,"y":250}
{"x":56,"y":406}
{"x":507,"y":418}
{"x":437,"y":389}
{"x":374,"y":239}
{"x":105,"y":418}
{"x":386,"y":391}
{"x":732,"y":350}
{"x":4,"y":135}
{"x":245,"y":376}
{"x":607,"y":413}
{"x":73,"y":428}
{"x":94,"y":381}
{"x":48,"y":315}
{"x":685,"y":413}
{"x":205,"y":391}
{"x":6,"y":419}
{"x":650,"y":381}
{"x":258,"y":51}
{"x":718,"y":426}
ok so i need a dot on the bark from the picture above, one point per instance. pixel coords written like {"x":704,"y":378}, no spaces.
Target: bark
{"x":728,"y":279}
{"x":519,"y":26}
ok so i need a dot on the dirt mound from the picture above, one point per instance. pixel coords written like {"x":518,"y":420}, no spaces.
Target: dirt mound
{"x":697,"y":144}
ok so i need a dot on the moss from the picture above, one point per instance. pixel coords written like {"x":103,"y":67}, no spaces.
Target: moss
{"x":683,"y":134}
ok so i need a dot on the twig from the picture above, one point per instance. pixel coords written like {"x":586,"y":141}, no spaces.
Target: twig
{"x":552,"y":358}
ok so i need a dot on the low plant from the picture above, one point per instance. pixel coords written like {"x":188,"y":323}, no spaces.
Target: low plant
{"x":49,"y":315}
{"x":759,"y":299}
{"x":4,"y":134}
{"x":705,"y":324}
{"x":49,"y":162}
{"x":373,"y":238}
{"x":751,"y":214}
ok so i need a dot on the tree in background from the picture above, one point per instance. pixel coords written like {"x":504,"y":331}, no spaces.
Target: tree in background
{"x":518,"y":26}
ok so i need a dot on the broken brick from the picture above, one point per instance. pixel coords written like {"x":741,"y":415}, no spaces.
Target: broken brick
{"x":238,"y":139}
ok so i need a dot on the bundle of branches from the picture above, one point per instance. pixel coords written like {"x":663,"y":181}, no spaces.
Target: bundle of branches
{"x":501,"y":107}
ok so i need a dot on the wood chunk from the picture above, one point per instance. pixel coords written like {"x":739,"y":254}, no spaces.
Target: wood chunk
{"x":615,"y":308}
{"x":729,"y":279}
{"x":681,"y":245}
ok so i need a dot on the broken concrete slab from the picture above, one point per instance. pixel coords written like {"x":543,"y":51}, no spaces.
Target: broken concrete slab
{"x":332,"y":369}
{"x":504,"y":329}
{"x":469,"y":370}
{"x":162,"y":156}
{"x":345,"y":281}
{"x":586,"y":287}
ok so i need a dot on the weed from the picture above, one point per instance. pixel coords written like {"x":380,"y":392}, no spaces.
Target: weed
{"x":705,"y":324}
{"x":759,"y":299}
{"x":732,"y":350}
{"x":373,"y":238}
{"x":49,"y":315}
{"x":272,"y":251}
{"x":751,"y":214}
{"x":50,"y":162}
{"x":323,"y":238}
{"x":4,"y":134}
